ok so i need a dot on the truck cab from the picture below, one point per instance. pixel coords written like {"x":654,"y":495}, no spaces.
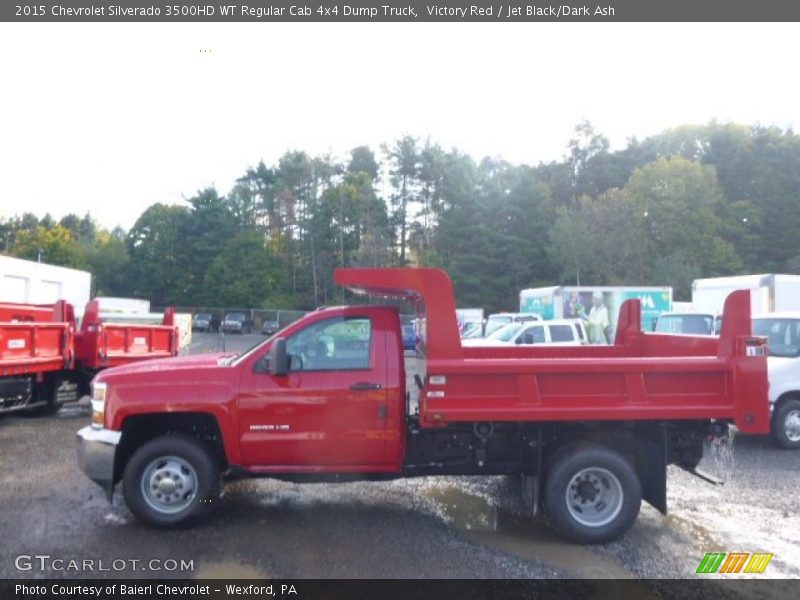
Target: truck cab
{"x":688,"y":323}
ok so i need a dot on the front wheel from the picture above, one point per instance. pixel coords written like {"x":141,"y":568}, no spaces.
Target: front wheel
{"x":171,"y":480}
{"x":592,"y":494}
{"x":786,"y":425}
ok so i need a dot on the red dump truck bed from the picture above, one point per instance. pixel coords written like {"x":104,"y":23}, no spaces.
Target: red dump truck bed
{"x":99,"y":345}
{"x":36,"y":350}
{"x":643,"y":376}
{"x":33,"y":345}
{"x":44,"y":361}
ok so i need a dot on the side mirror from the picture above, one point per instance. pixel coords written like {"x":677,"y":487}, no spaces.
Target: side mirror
{"x":278,"y":359}
{"x":262,"y":366}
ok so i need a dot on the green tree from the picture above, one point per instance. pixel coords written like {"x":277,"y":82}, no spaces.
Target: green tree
{"x":108,"y":261}
{"x":208,"y":226}
{"x":54,"y":245}
{"x":158,"y":262}
{"x":403,"y":169}
{"x":246,"y":274}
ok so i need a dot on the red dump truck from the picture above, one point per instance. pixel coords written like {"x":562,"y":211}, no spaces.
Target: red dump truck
{"x":589,"y":430}
{"x":45,"y":361}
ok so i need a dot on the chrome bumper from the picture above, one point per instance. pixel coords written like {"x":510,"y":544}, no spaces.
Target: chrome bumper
{"x":96,"y":450}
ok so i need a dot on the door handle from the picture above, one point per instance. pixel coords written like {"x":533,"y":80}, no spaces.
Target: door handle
{"x":365,"y":386}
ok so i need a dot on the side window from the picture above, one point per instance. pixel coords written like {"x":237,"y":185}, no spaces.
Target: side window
{"x":335,"y":344}
{"x":561,"y":333}
{"x":535,"y":333}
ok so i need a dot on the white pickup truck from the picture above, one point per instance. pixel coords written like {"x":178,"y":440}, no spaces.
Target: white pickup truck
{"x":782,"y":330}
{"x":561,"y":332}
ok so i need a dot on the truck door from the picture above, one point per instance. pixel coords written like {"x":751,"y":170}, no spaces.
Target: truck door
{"x":331,"y":408}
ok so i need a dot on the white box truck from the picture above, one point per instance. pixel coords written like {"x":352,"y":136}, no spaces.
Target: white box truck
{"x":768,"y":293}
{"x":575,"y":302}
{"x":31,"y":282}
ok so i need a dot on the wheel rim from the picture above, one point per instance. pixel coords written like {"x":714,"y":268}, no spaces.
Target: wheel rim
{"x":594,"y":497}
{"x":791,"y":425}
{"x":169,"y":484}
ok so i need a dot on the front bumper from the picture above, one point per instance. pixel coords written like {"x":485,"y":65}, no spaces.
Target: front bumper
{"x":96,"y":451}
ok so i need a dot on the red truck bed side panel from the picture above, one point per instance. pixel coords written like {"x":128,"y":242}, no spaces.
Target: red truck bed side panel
{"x":641,"y":377}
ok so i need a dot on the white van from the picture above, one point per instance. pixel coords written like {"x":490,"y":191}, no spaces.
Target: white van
{"x":563,"y":332}
{"x":782,"y":330}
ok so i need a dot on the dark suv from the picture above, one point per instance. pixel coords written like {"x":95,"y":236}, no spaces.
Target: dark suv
{"x":237,"y":322}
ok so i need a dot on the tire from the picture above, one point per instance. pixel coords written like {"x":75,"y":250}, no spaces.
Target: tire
{"x":786,"y":425}
{"x":191,"y":481}
{"x":592,"y":494}
{"x":48,"y":391}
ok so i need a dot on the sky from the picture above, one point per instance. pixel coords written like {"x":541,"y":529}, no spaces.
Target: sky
{"x":111,"y":118}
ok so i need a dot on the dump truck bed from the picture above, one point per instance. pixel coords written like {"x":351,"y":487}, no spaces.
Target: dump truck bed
{"x":28,"y":347}
{"x":642,"y":376}
{"x":100,"y":345}
{"x":35,"y":338}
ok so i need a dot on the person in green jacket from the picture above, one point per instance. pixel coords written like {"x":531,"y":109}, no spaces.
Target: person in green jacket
{"x":597,"y":322}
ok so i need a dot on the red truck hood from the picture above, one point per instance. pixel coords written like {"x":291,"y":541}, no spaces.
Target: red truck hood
{"x":167,"y":364}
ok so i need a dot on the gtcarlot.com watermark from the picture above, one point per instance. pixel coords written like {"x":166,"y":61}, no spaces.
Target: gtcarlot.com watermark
{"x":47,"y":562}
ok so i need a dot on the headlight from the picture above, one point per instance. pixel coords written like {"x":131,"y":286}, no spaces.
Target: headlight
{"x":98,"y":405}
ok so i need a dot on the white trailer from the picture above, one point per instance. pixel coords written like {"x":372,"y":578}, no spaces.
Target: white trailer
{"x":30,"y":282}
{"x":575,"y":302}
{"x":768,"y":292}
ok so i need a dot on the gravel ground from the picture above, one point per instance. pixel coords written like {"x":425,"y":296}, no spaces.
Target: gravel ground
{"x":443,"y":527}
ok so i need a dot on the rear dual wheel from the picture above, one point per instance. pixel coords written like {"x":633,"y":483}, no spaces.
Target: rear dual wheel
{"x":592,"y":493}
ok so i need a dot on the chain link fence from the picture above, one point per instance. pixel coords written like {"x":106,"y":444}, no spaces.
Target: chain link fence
{"x":213,"y":319}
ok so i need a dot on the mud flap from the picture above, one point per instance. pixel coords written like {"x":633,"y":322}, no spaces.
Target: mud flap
{"x":652,"y":469}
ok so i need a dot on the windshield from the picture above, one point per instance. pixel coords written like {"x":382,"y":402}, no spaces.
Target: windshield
{"x":202,"y":317}
{"x":472,"y":332}
{"x":691,"y":324}
{"x":507,"y":333}
{"x":496,"y":322}
{"x":234,"y":317}
{"x":783,"y":336}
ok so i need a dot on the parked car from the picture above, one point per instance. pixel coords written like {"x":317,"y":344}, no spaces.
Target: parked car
{"x":270,"y":327}
{"x":690,"y":323}
{"x":237,"y":322}
{"x":562,"y":332}
{"x":475,"y":331}
{"x":782,"y":330}
{"x":498,"y":320}
{"x":202,"y":322}
{"x":409,"y":337}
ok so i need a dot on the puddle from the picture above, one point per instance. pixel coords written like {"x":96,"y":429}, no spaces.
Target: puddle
{"x":493,"y":526}
{"x":698,"y":533}
{"x":464,"y":511}
{"x":228,"y":570}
